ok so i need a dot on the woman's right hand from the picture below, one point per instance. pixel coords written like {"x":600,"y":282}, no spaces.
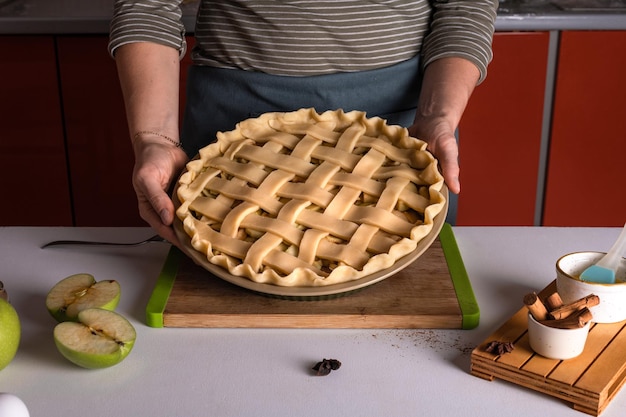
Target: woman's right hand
{"x":149,"y":76}
{"x":157,"y":165}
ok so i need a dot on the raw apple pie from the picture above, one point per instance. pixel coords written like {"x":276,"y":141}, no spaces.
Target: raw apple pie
{"x":308,"y":199}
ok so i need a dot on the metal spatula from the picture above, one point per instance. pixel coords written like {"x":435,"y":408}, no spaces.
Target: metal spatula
{"x":604,"y":270}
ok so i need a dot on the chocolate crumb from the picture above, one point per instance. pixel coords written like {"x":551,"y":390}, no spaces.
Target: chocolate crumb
{"x":500,"y":348}
{"x":324,"y":367}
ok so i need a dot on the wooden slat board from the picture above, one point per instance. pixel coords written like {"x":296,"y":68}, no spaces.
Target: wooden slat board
{"x":589,"y":382}
{"x":433,"y":292}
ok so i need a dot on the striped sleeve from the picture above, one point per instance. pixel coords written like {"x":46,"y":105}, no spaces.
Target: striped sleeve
{"x":462,"y":29}
{"x":157,"y":21}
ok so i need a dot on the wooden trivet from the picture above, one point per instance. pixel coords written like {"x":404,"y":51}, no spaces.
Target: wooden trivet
{"x":432,"y":292}
{"x":589,"y":382}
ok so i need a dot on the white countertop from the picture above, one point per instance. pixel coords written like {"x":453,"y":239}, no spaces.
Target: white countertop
{"x":266,"y":372}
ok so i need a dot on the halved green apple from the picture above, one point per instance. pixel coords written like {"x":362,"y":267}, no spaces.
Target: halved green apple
{"x":79,"y":292}
{"x":99,"y":339}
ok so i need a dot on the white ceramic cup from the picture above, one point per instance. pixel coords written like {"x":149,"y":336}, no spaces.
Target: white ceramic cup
{"x":612,"y":307}
{"x":556,"y":343}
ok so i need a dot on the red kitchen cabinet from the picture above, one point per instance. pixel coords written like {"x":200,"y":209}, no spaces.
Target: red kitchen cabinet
{"x":33,"y":166}
{"x":586,"y":174}
{"x":100,"y":154}
{"x":99,"y":151}
{"x":500,"y":135}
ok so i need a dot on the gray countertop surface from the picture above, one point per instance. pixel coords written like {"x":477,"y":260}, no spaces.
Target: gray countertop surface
{"x":265,"y":372}
{"x":93,"y":16}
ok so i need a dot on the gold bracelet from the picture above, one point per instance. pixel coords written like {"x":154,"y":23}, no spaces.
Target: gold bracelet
{"x":161,"y":135}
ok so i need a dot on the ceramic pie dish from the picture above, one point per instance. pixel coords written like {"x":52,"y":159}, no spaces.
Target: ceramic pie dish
{"x":309,"y":204}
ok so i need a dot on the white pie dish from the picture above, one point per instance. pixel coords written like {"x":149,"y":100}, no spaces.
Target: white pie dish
{"x":307,"y":200}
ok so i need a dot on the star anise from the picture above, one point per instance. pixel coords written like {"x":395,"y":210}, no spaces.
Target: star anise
{"x":324,"y":367}
{"x":499,"y":348}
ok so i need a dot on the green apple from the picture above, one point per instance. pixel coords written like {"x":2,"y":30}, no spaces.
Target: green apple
{"x":99,"y":339}
{"x":10,"y":330}
{"x":79,"y":292}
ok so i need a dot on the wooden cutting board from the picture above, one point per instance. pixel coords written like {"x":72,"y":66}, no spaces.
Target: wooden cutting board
{"x":432,"y":292}
{"x":588,"y":382}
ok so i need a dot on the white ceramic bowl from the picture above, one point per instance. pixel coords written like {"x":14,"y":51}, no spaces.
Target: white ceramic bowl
{"x":612,"y":307}
{"x":556,"y":343}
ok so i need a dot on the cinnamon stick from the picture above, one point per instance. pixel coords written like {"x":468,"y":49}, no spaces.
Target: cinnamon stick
{"x":535,"y":306}
{"x":567,"y":309}
{"x":575,"y":320}
{"x":553,"y":301}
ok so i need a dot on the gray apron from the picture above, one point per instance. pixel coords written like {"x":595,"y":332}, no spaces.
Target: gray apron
{"x":219,"y":98}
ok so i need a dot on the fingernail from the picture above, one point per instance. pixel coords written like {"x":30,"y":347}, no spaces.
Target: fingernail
{"x":164,"y":216}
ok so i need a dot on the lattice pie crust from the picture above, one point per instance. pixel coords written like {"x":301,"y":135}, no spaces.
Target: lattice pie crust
{"x":308,"y":199}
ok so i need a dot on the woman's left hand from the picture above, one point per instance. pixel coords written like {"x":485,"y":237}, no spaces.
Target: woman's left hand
{"x":443,"y":145}
{"x":446,"y":88}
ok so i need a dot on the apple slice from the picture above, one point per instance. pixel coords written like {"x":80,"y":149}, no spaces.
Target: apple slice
{"x":79,"y":292}
{"x":99,"y":339}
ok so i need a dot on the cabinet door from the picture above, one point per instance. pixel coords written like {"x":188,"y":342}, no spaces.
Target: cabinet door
{"x":100,"y":152}
{"x":500,"y":135}
{"x":33,"y":166}
{"x":586,"y":175}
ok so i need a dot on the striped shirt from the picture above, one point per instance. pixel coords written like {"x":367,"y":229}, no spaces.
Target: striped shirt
{"x":300,"y":38}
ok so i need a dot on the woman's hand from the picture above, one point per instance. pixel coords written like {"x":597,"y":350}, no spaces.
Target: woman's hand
{"x":439,"y":134}
{"x":157,"y":165}
{"x":149,"y":77}
{"x":446,"y":88}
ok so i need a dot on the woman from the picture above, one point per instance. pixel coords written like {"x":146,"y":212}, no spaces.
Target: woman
{"x":412,"y":62}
